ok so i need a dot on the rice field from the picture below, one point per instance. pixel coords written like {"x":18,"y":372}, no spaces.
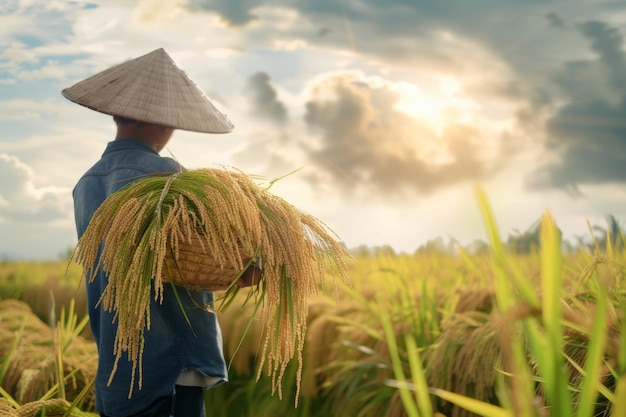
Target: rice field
{"x":425,"y":334}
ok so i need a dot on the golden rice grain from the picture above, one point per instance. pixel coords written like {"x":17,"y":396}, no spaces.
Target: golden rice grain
{"x":234,"y":220}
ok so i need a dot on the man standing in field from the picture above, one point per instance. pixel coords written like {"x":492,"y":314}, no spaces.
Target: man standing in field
{"x":149,"y":97}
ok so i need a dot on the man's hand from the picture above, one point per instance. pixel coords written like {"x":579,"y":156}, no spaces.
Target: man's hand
{"x":250,"y":277}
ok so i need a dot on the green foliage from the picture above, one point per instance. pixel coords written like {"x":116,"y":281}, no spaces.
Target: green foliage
{"x":560,"y":335}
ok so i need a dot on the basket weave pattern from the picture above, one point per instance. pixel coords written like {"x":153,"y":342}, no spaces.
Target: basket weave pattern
{"x":195,"y":269}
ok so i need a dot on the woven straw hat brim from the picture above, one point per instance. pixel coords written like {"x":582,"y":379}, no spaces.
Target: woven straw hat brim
{"x":150,"y":89}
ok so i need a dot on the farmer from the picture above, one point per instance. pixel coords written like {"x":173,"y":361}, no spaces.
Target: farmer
{"x":149,"y":97}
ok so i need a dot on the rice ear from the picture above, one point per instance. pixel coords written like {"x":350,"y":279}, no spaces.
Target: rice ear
{"x":226,"y":216}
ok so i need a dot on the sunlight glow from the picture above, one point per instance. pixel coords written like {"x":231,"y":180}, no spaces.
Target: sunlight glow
{"x":434,"y":107}
{"x":449,"y":87}
{"x":290,"y":45}
{"x":415,"y":103}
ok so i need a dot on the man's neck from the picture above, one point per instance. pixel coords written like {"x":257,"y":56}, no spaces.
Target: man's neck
{"x":154,"y":136}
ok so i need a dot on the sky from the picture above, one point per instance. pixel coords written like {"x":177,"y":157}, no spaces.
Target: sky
{"x":383,"y":118}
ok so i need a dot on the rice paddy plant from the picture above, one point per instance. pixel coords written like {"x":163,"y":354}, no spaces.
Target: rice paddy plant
{"x":18,"y":273}
{"x":415,"y":400}
{"x":326,"y":356}
{"x":357,"y":373}
{"x":45,"y":286}
{"x":346,"y":359}
{"x":45,"y":371}
{"x":554,"y":339}
{"x":245,"y":396}
{"x":55,"y":407}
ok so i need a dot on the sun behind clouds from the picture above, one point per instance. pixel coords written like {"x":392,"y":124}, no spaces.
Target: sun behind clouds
{"x":433,"y":106}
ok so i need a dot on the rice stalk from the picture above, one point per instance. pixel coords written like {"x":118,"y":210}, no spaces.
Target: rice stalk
{"x":513,"y":347}
{"x":466,"y":357}
{"x":55,"y":407}
{"x":410,"y":403}
{"x":31,"y":374}
{"x":233,"y":220}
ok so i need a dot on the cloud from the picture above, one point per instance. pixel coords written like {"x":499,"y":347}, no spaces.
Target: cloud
{"x":17,"y":52}
{"x":235,"y":13}
{"x":33,"y":35}
{"x":555,"y":20}
{"x":587,"y":134}
{"x":263,"y":99}
{"x":401,"y":31}
{"x":34,"y":21}
{"x":50,"y":70}
{"x":154,"y":10}
{"x":608,"y":43}
{"x":8,"y":6}
{"x":395,"y":30}
{"x":365,"y":142}
{"x":22,"y":201}
{"x":24,"y":109}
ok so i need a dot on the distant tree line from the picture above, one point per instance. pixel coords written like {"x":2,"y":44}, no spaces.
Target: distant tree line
{"x":600,"y":237}
{"x":521,"y":243}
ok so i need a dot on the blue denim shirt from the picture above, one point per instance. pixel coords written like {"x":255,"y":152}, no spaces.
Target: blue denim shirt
{"x":171,"y":346}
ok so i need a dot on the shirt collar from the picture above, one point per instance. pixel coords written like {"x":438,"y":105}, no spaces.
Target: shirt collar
{"x":125,"y":144}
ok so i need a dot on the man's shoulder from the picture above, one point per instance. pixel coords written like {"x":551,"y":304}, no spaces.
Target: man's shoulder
{"x":170,"y":164}
{"x":136,"y":160}
{"x":126,"y":169}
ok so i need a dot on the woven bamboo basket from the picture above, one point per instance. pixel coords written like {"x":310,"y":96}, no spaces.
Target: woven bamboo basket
{"x":195,"y":269}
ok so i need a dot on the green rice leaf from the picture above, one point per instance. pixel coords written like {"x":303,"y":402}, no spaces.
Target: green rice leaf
{"x":470,"y":404}
{"x":408,"y":401}
{"x":422,"y":397}
{"x":594,"y":360}
{"x":554,"y":374}
{"x":619,"y":406}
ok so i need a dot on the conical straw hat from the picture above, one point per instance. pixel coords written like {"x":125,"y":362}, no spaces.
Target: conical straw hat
{"x":150,"y":89}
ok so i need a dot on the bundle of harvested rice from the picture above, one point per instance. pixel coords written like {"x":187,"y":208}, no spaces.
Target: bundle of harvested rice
{"x":201,"y":229}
